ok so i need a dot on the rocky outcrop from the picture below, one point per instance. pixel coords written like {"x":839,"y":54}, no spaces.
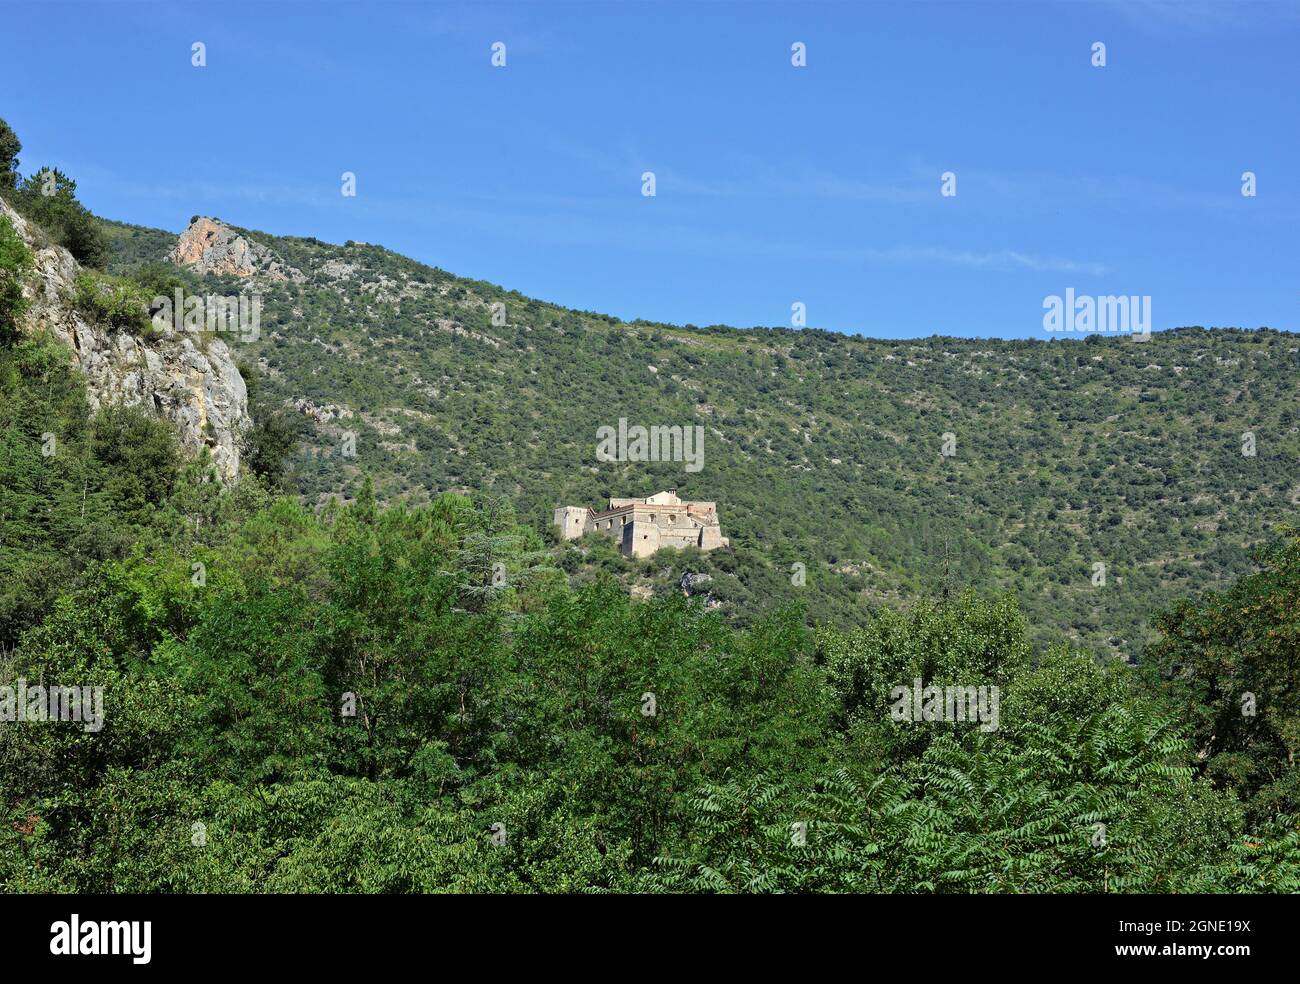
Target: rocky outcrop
{"x":211,"y":247}
{"x":189,"y":379}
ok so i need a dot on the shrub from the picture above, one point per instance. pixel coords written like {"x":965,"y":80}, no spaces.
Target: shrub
{"x":121,"y":304}
{"x":67,"y":221}
{"x":10,"y":147}
{"x":15,"y":264}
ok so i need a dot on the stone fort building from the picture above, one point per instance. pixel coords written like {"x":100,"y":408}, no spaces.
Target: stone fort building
{"x":642,"y":526}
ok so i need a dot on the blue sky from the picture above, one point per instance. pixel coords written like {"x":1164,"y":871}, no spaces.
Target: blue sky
{"x":775,"y":184}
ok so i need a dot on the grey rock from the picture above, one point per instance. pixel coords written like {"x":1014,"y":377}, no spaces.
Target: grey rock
{"x":190,"y":380}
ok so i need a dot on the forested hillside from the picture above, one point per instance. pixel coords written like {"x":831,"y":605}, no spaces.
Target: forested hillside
{"x":821,"y":449}
{"x":418,"y":690}
{"x":353,"y":700}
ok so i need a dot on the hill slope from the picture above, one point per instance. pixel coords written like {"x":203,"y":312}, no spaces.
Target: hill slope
{"x":821,"y":449}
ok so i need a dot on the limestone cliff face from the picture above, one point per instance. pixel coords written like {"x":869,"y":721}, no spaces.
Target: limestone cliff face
{"x":189,"y":380}
{"x":210,"y":247}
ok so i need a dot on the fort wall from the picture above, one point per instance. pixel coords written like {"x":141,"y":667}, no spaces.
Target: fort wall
{"x":642,"y":526}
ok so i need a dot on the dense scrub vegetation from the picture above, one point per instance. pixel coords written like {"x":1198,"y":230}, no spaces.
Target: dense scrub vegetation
{"x":513,"y":732}
{"x":15,"y":268}
{"x":74,"y":489}
{"x":821,"y":450}
{"x":417,"y":691}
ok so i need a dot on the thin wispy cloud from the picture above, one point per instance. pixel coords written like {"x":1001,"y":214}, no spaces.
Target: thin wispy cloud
{"x":1002,"y":259}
